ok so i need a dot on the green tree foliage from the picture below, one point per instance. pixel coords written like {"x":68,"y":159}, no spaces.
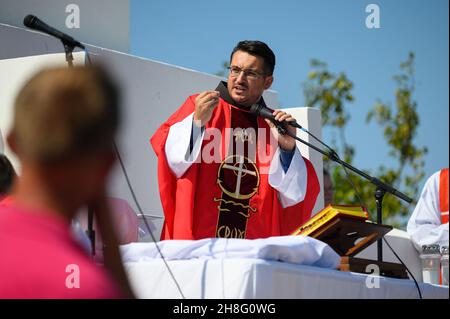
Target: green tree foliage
{"x":332,"y":94}
{"x":223,"y":69}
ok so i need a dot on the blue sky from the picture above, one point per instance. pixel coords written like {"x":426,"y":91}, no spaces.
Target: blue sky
{"x":200,"y":34}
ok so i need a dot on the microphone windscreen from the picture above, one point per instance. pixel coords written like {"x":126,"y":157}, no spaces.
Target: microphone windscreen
{"x":28,"y":21}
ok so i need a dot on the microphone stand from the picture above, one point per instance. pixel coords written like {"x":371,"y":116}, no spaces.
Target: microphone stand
{"x":68,"y":49}
{"x":90,"y":230}
{"x":69,"y":45}
{"x":381,"y":187}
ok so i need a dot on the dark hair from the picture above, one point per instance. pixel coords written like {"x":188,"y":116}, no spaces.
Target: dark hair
{"x":7,"y":175}
{"x":259,"y":49}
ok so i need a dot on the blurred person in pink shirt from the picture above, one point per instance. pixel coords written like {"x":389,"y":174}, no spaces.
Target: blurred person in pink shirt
{"x":63,"y":129}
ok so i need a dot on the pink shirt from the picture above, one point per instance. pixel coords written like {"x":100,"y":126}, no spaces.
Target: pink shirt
{"x":40,"y":259}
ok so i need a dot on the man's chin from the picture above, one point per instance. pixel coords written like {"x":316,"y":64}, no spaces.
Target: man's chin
{"x":239,"y":99}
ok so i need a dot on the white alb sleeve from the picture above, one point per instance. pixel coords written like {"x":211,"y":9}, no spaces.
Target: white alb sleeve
{"x":177,"y":148}
{"x":291,"y":185}
{"x":424,"y":226}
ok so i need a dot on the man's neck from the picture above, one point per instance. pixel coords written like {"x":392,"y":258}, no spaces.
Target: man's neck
{"x":32,"y":191}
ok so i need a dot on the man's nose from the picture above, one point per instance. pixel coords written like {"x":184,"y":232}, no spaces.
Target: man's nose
{"x":241,"y":77}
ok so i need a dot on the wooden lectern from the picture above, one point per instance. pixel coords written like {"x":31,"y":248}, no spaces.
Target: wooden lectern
{"x":347,"y":230}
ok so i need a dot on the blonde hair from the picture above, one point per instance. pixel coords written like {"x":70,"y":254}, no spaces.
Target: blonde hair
{"x":65,"y":111}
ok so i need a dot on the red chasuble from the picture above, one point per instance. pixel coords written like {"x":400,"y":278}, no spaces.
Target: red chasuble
{"x":229,"y":196}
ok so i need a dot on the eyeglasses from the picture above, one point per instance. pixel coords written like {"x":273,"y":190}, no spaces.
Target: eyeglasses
{"x":249,"y":74}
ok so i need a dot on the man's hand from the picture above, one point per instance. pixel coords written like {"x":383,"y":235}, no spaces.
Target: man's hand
{"x":205,"y":103}
{"x":112,"y":257}
{"x":286,"y":142}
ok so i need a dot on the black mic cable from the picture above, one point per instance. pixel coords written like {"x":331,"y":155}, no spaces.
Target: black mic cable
{"x":407,"y":269}
{"x":145,"y":220}
{"x":332,"y":154}
{"x":141,"y":212}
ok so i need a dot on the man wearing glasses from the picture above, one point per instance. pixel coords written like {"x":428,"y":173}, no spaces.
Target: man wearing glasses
{"x":224,"y":172}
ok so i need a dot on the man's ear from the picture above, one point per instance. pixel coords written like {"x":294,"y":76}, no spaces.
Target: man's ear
{"x":268,"y":82}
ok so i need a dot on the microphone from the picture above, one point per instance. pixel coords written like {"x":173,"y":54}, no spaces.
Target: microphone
{"x":35,"y":23}
{"x":267,"y":113}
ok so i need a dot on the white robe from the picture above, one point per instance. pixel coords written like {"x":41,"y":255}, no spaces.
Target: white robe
{"x":424,"y":226}
{"x":291,"y":185}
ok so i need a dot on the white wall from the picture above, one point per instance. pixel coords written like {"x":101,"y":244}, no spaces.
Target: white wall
{"x":311,"y":120}
{"x":13,"y":75}
{"x":104,"y":23}
{"x":152,"y":91}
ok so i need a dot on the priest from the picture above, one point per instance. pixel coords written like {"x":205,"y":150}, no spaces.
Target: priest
{"x":224,"y":172}
{"x":428,"y":224}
